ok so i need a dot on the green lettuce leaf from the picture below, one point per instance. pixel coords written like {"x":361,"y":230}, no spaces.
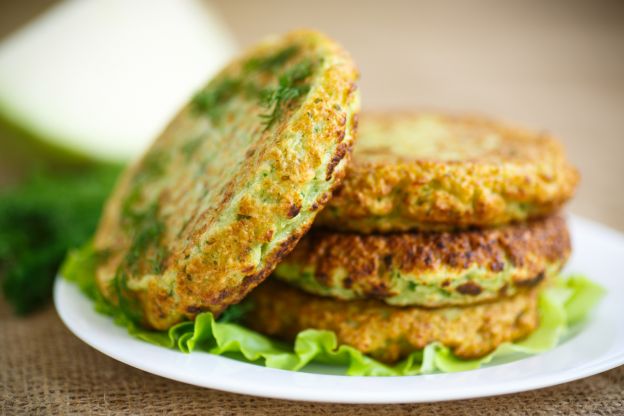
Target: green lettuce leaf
{"x":566,"y":303}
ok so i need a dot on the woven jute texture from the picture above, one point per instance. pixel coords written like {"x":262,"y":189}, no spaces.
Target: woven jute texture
{"x":44,"y":369}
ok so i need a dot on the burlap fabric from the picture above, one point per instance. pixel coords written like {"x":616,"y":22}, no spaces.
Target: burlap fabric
{"x":44,"y":369}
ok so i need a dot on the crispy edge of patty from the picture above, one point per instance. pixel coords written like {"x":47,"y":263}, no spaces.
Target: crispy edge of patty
{"x":389,"y":333}
{"x":429,"y":269}
{"x":198,"y":284}
{"x":444,"y":195}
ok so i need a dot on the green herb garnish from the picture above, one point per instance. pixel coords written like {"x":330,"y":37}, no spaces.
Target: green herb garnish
{"x":39,"y":221}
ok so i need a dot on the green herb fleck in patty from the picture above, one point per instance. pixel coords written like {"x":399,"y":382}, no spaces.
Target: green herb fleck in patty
{"x":210,"y":100}
{"x":291,"y":87}
{"x":272,"y":62}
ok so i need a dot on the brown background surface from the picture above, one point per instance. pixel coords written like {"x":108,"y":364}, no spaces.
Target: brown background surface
{"x":44,"y":369}
{"x":556,"y":65}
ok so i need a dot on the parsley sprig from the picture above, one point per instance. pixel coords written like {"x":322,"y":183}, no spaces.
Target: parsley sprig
{"x":39,"y":221}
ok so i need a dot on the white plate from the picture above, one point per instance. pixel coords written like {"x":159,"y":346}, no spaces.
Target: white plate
{"x":598,"y":347}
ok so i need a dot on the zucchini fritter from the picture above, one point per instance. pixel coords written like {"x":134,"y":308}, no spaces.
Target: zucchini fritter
{"x":390,"y":333}
{"x":428,"y":269}
{"x":232,"y":183}
{"x":428,"y":171}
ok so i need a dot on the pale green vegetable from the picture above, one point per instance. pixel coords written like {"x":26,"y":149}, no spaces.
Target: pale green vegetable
{"x":101,"y":79}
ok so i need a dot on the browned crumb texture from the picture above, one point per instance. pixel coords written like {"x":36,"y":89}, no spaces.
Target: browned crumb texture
{"x":432,"y":171}
{"x":389,"y":333}
{"x":428,"y":268}
{"x":232,"y":183}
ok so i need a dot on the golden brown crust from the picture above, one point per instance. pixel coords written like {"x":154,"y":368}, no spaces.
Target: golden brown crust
{"x":232,"y":183}
{"x":428,"y":269}
{"x":431,"y":171}
{"x":390,"y":333}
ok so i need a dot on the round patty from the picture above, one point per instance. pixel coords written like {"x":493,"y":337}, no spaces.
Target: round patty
{"x":389,"y":333}
{"x":428,"y":171}
{"x":231,"y":184}
{"x":428,"y":269}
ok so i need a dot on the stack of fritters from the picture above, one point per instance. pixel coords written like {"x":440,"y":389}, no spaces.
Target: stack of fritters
{"x":439,"y":228}
{"x":444,"y":229}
